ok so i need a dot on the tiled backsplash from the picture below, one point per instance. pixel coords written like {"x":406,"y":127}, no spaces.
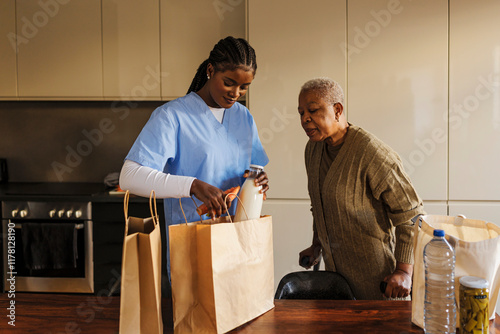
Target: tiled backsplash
{"x":69,"y":141}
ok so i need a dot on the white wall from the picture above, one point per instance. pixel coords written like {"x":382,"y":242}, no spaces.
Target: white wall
{"x":423,"y":76}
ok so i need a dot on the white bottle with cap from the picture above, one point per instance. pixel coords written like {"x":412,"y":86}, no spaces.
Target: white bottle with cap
{"x":250,"y":198}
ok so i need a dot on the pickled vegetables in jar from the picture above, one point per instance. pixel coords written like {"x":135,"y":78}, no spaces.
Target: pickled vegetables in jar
{"x":474,"y":311}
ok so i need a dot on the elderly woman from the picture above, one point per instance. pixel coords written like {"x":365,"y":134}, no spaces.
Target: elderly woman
{"x":362,"y":199}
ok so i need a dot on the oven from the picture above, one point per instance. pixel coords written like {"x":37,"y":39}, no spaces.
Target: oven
{"x":47,"y":246}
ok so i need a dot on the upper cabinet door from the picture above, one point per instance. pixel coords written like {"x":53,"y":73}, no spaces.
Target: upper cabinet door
{"x":60,"y":53}
{"x":189,"y":31}
{"x":8,"y":49}
{"x":131,"y":49}
{"x":474,"y":100}
{"x":397,"y":83}
{"x":294,"y":41}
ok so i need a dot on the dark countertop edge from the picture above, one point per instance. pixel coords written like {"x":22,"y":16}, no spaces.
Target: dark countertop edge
{"x":97,"y":192}
{"x":96,"y":198}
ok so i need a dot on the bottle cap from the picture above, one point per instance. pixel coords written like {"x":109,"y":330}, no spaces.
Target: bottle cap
{"x":439,"y":233}
{"x":256,"y":166}
{"x":474,"y":282}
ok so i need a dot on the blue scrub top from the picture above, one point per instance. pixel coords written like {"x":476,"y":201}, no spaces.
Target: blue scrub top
{"x":183,"y":137}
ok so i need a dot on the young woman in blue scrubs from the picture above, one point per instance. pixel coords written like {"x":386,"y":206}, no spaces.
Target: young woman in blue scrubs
{"x":202,"y":143}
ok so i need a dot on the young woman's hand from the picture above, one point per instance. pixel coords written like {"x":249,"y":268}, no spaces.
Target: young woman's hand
{"x":213,"y":197}
{"x":261,"y":180}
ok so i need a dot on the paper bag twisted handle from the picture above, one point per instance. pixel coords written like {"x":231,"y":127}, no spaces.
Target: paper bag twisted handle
{"x":125,"y":204}
{"x":125,"y":210}
{"x":154,"y":214}
{"x":240,"y":202}
{"x":182,"y":209}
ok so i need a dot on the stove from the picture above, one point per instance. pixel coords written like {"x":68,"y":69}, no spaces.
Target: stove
{"x":47,"y":236}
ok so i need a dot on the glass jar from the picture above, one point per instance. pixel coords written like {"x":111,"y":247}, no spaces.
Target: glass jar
{"x":474,"y":310}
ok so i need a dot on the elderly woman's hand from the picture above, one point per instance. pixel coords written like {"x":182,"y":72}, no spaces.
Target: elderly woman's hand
{"x":310,"y":256}
{"x":399,"y":282}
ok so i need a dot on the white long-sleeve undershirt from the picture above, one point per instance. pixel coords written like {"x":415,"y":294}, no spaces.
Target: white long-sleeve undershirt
{"x":140,"y":180}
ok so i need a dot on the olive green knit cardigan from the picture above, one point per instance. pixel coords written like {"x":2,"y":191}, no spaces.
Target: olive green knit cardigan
{"x":363,"y":212}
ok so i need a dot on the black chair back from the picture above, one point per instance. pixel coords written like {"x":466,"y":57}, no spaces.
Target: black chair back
{"x":314,"y":285}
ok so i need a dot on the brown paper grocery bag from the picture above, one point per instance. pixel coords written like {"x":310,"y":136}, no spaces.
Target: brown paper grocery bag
{"x":222,"y":273}
{"x":140,"y":297}
{"x":477,"y":253}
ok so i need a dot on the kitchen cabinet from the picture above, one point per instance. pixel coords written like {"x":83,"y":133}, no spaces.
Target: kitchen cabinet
{"x":397,"y":83}
{"x":109,"y":231}
{"x":131,"y":49}
{"x":482,"y":210}
{"x":436,"y":208}
{"x":110,"y":49}
{"x":189,"y":30}
{"x":474,"y":112}
{"x":60,"y":56}
{"x":291,"y":48}
{"x":8,"y":49}
{"x":292,"y":233}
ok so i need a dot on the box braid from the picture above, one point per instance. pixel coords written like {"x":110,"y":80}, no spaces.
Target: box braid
{"x":228,"y":54}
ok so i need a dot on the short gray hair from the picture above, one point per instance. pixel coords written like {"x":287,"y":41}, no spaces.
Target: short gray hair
{"x":329,"y":89}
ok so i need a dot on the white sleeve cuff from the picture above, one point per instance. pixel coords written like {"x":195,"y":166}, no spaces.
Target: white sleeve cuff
{"x":140,"y":180}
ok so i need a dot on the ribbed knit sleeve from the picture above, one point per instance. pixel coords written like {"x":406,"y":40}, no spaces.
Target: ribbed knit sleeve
{"x":391,"y":185}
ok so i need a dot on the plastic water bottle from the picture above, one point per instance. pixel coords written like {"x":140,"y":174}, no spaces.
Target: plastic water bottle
{"x":440,"y":311}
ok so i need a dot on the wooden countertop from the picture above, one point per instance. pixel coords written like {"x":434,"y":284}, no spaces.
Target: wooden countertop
{"x":81,"y":313}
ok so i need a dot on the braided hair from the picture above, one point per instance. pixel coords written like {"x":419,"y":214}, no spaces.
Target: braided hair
{"x":228,"y":54}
